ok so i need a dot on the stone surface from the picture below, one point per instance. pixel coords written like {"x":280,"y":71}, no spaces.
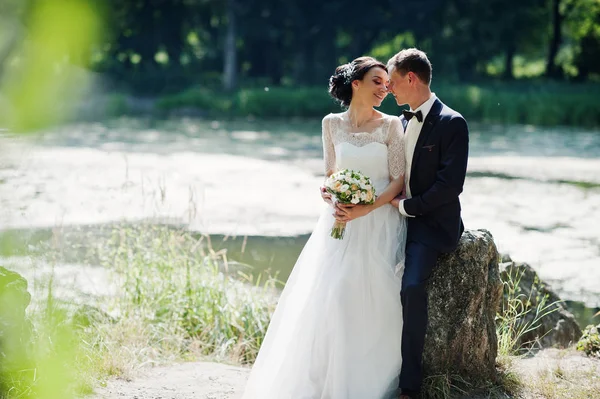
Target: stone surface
{"x":464,"y":295}
{"x":14,"y":297}
{"x":15,"y":327}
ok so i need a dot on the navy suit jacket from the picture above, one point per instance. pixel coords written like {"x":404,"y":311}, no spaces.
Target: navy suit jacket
{"x":438,"y":171}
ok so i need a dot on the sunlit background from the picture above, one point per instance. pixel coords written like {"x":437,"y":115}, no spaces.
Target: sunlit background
{"x":204,"y":115}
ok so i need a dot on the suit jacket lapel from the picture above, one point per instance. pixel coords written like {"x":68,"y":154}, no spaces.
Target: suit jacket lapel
{"x":430,"y":121}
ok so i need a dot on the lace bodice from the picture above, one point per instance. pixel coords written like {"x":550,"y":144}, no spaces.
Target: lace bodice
{"x":388,"y":133}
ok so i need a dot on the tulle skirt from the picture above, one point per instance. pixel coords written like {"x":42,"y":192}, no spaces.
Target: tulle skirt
{"x":336,"y":332}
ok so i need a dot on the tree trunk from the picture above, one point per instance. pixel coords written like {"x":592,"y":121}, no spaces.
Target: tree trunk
{"x":275,"y":62}
{"x":300,"y":63}
{"x":230,"y":51}
{"x":508,"y":61}
{"x":552,"y":70}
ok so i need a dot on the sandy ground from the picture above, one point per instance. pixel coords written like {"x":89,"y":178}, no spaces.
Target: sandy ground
{"x":200,"y":380}
{"x":551,"y":373}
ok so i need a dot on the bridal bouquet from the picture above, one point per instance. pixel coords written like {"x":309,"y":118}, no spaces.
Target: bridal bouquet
{"x":349,"y":187}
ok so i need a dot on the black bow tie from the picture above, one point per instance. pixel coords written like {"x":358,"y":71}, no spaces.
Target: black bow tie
{"x":408,"y":115}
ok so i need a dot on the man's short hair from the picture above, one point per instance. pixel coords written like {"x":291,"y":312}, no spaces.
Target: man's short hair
{"x":412,"y":60}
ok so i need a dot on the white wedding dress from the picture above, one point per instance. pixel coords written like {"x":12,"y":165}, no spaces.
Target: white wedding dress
{"x":337,"y":329}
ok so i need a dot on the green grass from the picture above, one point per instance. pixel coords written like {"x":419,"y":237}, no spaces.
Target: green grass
{"x":51,"y":362}
{"x":511,"y":321}
{"x":175,"y":302}
{"x":521,"y":102}
{"x":175,"y":289}
{"x":586,"y":185}
{"x":590,"y":341}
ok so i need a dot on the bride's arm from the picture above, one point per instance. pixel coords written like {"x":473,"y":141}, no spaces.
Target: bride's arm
{"x":396,"y":163}
{"x":328,"y":156}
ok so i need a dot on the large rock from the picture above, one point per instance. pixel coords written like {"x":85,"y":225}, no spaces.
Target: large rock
{"x":464,"y":295}
{"x":15,"y":327}
{"x":558,"y":328}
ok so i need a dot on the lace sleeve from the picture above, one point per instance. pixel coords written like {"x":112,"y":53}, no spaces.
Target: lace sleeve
{"x":328,"y":148}
{"x":396,"y":154}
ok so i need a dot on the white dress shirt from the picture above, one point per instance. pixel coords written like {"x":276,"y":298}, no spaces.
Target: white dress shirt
{"x":413,"y":130}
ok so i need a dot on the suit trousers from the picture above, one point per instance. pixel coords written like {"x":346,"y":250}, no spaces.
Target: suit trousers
{"x":419,"y":264}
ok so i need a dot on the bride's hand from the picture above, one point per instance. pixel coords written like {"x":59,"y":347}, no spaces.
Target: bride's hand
{"x":326,"y":196}
{"x":348,"y":212}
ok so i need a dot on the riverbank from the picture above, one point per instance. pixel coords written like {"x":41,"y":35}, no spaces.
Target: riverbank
{"x":540,"y":103}
{"x":146,"y":300}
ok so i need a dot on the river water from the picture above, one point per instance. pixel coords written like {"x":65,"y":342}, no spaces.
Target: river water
{"x":255,"y":185}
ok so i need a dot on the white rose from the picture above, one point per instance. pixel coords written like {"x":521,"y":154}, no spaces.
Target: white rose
{"x":345,"y":187}
{"x":355,"y":199}
{"x":363,"y":196}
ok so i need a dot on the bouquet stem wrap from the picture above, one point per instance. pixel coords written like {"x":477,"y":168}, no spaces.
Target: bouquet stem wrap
{"x":338,"y":230}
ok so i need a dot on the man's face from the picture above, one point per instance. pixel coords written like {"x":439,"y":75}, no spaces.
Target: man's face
{"x":399,"y":86}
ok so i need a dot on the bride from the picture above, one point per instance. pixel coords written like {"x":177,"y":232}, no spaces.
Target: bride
{"x":337,"y":328}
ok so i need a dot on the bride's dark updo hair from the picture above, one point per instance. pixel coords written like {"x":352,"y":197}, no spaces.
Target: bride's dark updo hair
{"x":340,"y":83}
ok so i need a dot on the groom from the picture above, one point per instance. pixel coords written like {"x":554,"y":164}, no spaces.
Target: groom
{"x":437,"y":143}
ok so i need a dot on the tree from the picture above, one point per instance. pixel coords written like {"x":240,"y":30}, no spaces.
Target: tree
{"x":552,"y":70}
{"x":230,"y":51}
{"x":583,"y":20}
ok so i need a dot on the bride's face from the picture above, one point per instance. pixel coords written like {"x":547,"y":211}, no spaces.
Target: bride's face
{"x":372,"y":89}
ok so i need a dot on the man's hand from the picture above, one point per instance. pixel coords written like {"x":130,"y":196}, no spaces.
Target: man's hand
{"x":326,"y":196}
{"x":348,"y":212}
{"x":396,"y":201}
